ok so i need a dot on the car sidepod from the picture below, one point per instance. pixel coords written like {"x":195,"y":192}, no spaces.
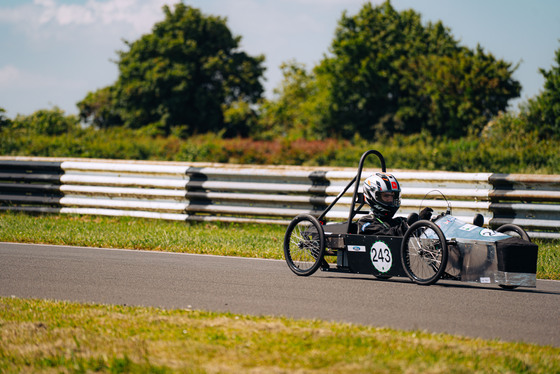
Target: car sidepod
{"x":486,"y":256}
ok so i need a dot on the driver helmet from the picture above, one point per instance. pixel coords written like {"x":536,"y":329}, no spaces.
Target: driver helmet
{"x":382,"y":192}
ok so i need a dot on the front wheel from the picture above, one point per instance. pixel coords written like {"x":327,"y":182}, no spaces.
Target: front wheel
{"x":424,"y":252}
{"x":304,"y":245}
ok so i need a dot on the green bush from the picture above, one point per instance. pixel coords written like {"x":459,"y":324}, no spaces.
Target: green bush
{"x":46,"y":122}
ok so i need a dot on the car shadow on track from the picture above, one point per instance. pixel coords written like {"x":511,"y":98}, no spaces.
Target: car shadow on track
{"x":446,"y":284}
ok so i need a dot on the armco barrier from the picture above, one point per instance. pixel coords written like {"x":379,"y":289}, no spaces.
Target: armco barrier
{"x":266,"y":194}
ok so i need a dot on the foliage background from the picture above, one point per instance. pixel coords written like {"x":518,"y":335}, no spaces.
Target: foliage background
{"x":495,"y":150}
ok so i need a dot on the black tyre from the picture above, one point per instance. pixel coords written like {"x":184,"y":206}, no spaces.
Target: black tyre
{"x":382,"y":276}
{"x":424,"y":252}
{"x":304,"y":245}
{"x":513,"y":230}
{"x":508,"y":287}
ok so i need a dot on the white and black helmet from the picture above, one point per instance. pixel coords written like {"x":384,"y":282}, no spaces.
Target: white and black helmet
{"x":380,"y":183}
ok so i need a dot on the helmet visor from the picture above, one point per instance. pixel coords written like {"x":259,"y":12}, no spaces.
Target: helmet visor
{"x":390,"y":198}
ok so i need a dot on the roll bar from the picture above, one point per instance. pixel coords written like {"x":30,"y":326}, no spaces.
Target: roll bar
{"x":356,"y":180}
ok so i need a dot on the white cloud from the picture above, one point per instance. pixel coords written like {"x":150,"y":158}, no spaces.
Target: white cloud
{"x":46,"y":15}
{"x":68,"y":14}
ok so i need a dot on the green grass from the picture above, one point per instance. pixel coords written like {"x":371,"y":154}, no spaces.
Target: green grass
{"x":53,"y":336}
{"x":244,"y":240}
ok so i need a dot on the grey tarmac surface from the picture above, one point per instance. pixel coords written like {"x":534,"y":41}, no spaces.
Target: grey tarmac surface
{"x":268,"y":287}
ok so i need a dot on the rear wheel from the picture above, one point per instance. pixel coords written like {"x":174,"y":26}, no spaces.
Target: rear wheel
{"x":514,"y":230}
{"x":304,"y":245}
{"x":424,"y":252}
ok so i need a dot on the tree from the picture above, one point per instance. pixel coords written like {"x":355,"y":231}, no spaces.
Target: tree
{"x":299,"y":108}
{"x":388,"y":72}
{"x":183,"y":74}
{"x":97,"y":108}
{"x":453,"y":94}
{"x":543,"y":112}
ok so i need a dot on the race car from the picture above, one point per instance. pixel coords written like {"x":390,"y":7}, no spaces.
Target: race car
{"x":442,"y":248}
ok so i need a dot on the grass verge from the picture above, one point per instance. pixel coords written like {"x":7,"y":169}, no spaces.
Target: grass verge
{"x":244,"y":240}
{"x":54,"y":336}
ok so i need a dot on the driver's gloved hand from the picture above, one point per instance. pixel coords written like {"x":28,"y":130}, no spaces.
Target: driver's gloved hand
{"x":426,"y":213}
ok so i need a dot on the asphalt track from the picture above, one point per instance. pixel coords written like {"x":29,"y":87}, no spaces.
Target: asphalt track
{"x":268,"y":287}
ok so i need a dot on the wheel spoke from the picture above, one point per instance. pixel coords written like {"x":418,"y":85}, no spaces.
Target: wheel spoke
{"x":303,"y":245}
{"x":423,"y":253}
{"x":303,"y":248}
{"x":422,"y":259}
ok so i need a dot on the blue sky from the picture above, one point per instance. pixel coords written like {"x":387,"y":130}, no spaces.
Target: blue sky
{"x":53,"y":52}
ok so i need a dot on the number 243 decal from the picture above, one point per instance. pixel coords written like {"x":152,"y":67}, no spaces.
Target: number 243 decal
{"x":381,"y":257}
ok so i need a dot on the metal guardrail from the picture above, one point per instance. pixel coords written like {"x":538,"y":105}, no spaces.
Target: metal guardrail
{"x":265,"y":194}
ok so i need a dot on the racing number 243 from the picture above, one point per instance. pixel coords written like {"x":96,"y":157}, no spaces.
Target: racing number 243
{"x":381,"y":257}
